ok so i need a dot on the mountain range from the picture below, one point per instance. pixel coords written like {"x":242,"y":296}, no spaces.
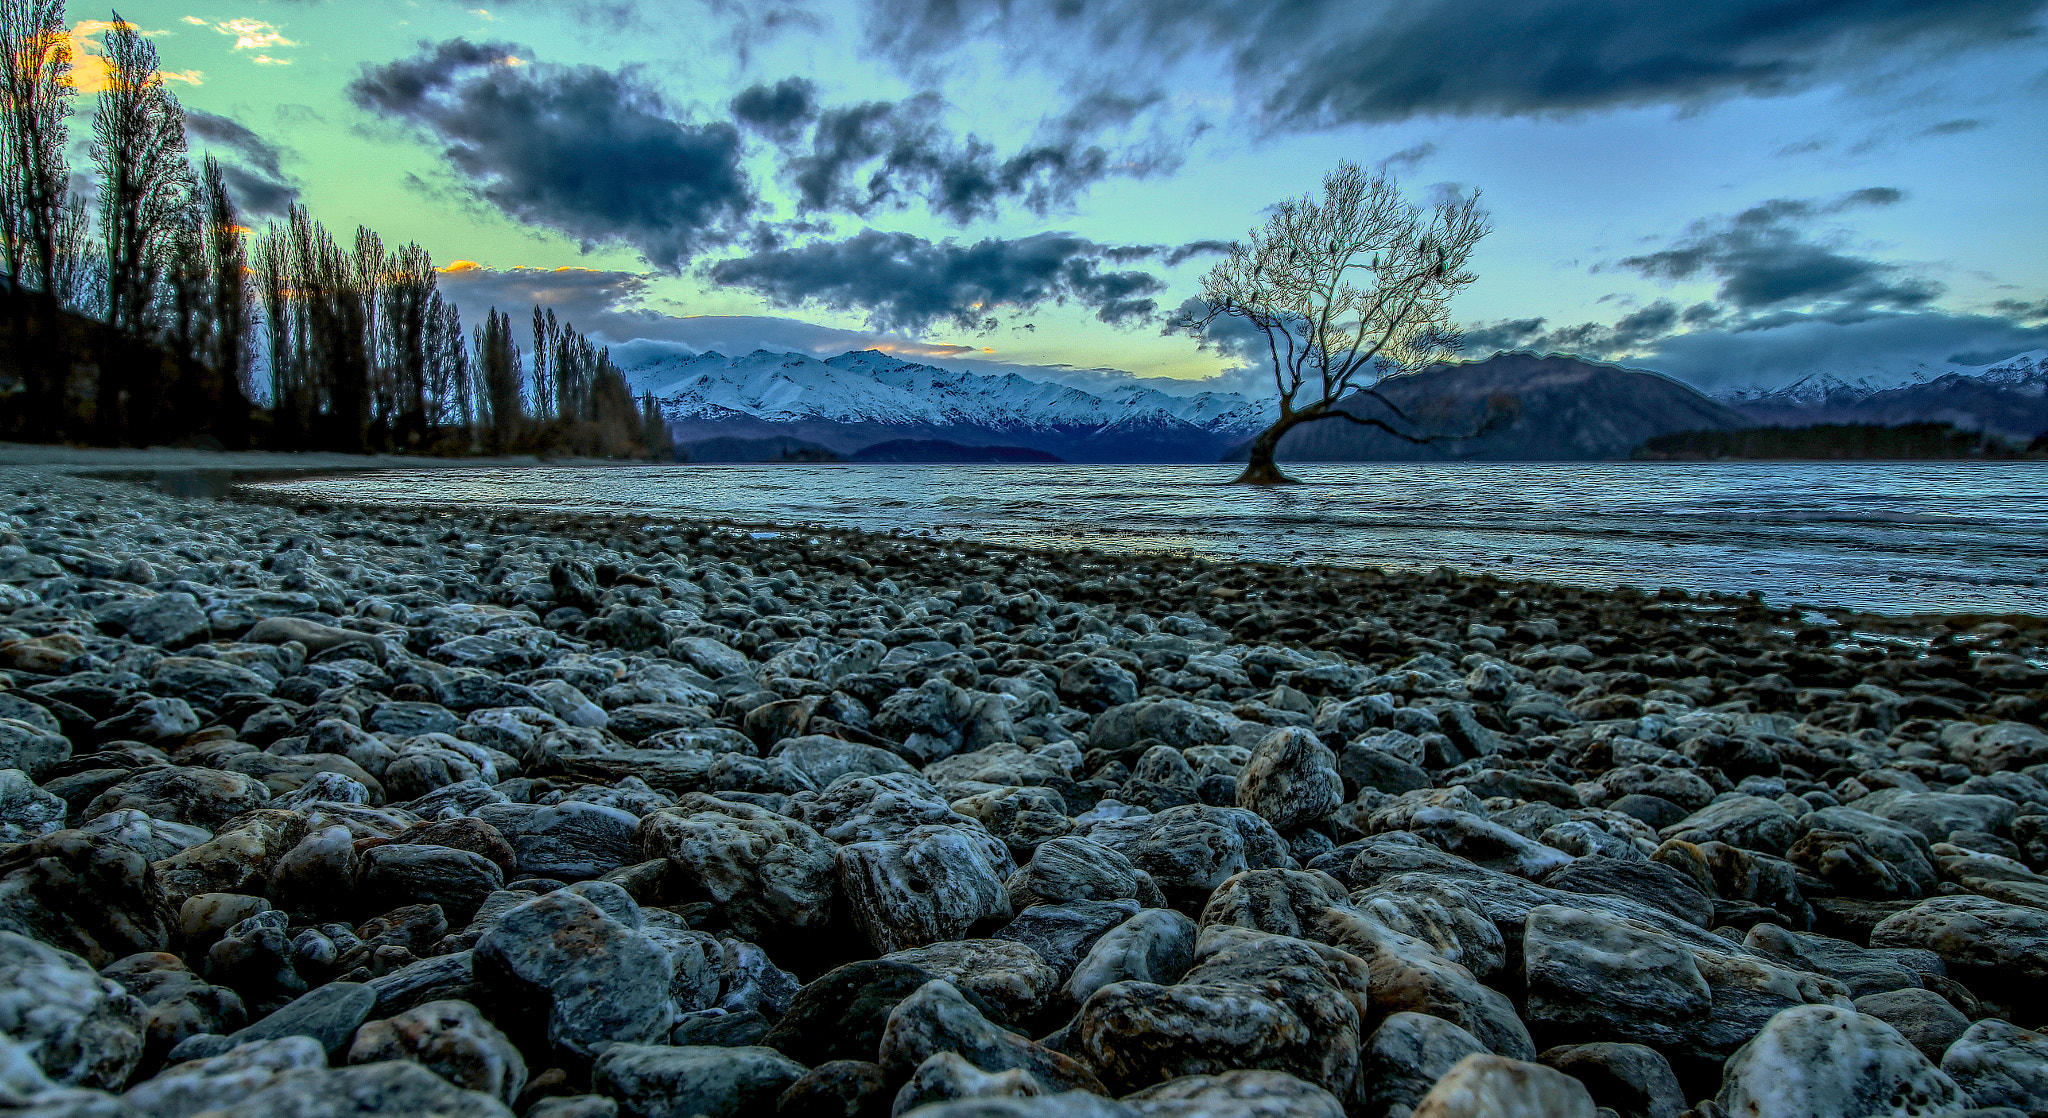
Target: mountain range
{"x":862,"y":398}
{"x":770,"y":406}
{"x":2008,"y":399}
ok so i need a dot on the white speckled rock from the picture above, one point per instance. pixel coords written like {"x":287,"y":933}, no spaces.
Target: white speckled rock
{"x":81,"y":1029}
{"x":1817,"y":1061}
{"x":2001,"y":1064}
{"x":1236,"y":1094}
{"x":1291,"y":780}
{"x":1487,"y":1086}
{"x":182,"y":1090}
{"x":931,"y":885}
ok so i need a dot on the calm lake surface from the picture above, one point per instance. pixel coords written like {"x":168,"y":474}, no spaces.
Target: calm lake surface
{"x":1889,"y":537}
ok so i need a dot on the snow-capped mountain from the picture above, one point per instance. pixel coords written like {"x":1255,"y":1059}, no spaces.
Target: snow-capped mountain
{"x":860,"y":398}
{"x":2007,"y":398}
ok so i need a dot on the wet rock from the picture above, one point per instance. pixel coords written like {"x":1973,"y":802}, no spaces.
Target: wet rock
{"x":1488,"y":1086}
{"x":1079,"y":869}
{"x":2001,"y":1064}
{"x":1937,"y":814}
{"x":1291,"y":780}
{"x":1815,"y":1060}
{"x":450,"y":1038}
{"x":1009,"y":977}
{"x":1403,"y":1059}
{"x":936,"y":1018}
{"x":80,"y":1029}
{"x":1155,"y":946}
{"x":570,"y":841}
{"x":1236,"y":1094}
{"x":390,"y":1089}
{"x":1632,"y":1080}
{"x":1652,"y":883}
{"x":176,"y":1002}
{"x":1979,"y":938}
{"x":204,"y":1085}
{"x":1405,"y":973}
{"x":1194,"y":848}
{"x":329,"y":1014}
{"x":1061,"y":934}
{"x":838,"y":1089}
{"x":31,"y":749}
{"x":770,"y":875}
{"x":75,"y":891}
{"x":945,"y":1076}
{"x":602,"y":980}
{"x":1923,"y":1017}
{"x":1095,"y":684}
{"x":1748,"y":822}
{"x":931,"y":885}
{"x":200,"y":797}
{"x":657,"y":1081}
{"x":840,"y":1015}
{"x":1252,"y":1000}
{"x":457,"y":880}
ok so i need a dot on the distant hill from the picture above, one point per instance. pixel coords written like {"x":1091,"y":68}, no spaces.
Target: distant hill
{"x":2006,"y":400}
{"x":1827,"y":442}
{"x":940,"y":451}
{"x":726,"y":449}
{"x":864,"y":398}
{"x":1558,"y":409}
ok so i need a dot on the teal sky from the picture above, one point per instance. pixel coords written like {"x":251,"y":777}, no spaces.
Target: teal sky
{"x":1730,"y":190}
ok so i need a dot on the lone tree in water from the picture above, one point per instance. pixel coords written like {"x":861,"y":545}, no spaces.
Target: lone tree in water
{"x":1348,"y":291}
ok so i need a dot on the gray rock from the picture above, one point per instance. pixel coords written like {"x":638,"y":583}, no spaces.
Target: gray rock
{"x":450,"y":1038}
{"x":1817,"y":1061}
{"x":399,"y":874}
{"x":200,"y":797}
{"x":601,"y":980}
{"x":1923,"y":1017}
{"x":1404,"y":1058}
{"x":1079,"y":869}
{"x":1291,"y":780}
{"x":392,"y":1089}
{"x":1252,"y":1000}
{"x":1750,"y":822}
{"x":27,"y":811}
{"x":1012,"y":979}
{"x":2001,"y":1064}
{"x":1976,"y":936}
{"x":1061,"y":934}
{"x":201,"y":1085}
{"x":945,"y":1076}
{"x":770,"y":875}
{"x":1252,"y":1093}
{"x":80,"y":1029}
{"x":32,"y":749}
{"x":938,"y":1019}
{"x":657,"y":1081}
{"x":329,"y":1014}
{"x":569,"y":841}
{"x":930,"y":885}
{"x":177,"y":1003}
{"x":1195,"y":847}
{"x":1632,"y":1080}
{"x":1937,"y":814}
{"x":167,"y":621}
{"x":1155,"y":946}
{"x":1489,"y":1086}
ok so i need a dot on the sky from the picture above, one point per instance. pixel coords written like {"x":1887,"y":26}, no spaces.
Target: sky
{"x":1733,"y":192}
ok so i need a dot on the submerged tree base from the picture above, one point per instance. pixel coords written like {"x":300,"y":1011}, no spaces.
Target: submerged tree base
{"x":1264,"y":473}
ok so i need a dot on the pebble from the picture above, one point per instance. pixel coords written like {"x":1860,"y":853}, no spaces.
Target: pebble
{"x":316,"y":811}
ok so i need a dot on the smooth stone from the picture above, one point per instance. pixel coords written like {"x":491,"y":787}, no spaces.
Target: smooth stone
{"x":392,"y":1089}
{"x":1489,"y":1086}
{"x":2001,"y":1064}
{"x":1922,"y":1016}
{"x":659,"y":1081}
{"x":329,"y":1014}
{"x":81,"y":1030}
{"x":194,"y":1086}
{"x":451,"y":1039}
{"x":1251,"y":1093}
{"x":1405,"y":1057}
{"x":1632,"y":1080}
{"x":1818,"y":1061}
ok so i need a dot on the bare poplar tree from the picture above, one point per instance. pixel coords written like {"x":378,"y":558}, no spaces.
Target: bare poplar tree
{"x":145,"y":182}
{"x":502,"y":380}
{"x":35,"y":177}
{"x":229,"y":305}
{"x":1347,"y":291}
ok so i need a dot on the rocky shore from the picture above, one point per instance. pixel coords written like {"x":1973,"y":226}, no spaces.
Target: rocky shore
{"x":312,"y":812}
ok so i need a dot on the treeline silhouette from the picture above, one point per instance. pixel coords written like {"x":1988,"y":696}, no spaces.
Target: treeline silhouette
{"x":148,"y":312}
{"x":1833,"y":441}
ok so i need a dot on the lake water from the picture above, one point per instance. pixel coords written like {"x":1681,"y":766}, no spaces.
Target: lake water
{"x":1887,"y":537}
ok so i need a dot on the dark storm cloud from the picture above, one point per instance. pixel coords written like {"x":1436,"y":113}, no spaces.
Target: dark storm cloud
{"x":2021,"y":310}
{"x":597,"y":154}
{"x":1327,"y":61}
{"x":865,"y":157}
{"x":1197,"y":248}
{"x":906,"y":283}
{"x":254,"y":171}
{"x":1765,"y":261}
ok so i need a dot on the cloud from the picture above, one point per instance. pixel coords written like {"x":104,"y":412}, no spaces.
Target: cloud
{"x":866,"y":157}
{"x":1765,"y":260}
{"x":1951,"y":127}
{"x":596,"y":154}
{"x":255,"y":174}
{"x":1315,"y":62}
{"x":89,"y":67}
{"x":907,"y":284}
{"x":249,"y":34}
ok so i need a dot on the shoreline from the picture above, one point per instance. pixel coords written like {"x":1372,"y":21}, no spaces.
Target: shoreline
{"x":835,"y":815}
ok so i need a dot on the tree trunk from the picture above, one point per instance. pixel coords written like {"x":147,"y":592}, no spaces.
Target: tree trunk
{"x":1261,"y":469}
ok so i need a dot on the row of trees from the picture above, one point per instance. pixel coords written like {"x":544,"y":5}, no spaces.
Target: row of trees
{"x":146,"y":311}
